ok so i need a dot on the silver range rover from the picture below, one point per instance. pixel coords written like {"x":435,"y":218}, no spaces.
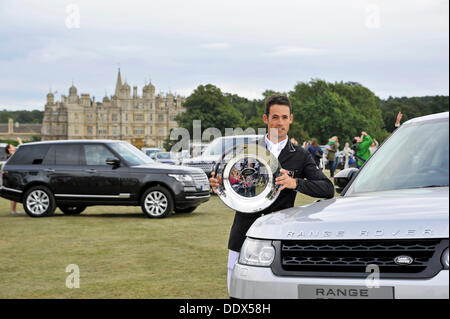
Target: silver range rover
{"x":386,"y":236}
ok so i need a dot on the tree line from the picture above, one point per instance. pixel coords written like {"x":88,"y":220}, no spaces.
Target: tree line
{"x":321,"y":109}
{"x":34,"y":116}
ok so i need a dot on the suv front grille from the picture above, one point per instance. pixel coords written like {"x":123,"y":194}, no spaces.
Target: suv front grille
{"x":207,"y":167}
{"x":324,"y":257}
{"x":200,"y":179}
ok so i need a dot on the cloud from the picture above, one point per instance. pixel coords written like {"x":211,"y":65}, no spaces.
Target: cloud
{"x":227,"y":43}
{"x":215,"y":46}
{"x":294,"y":51}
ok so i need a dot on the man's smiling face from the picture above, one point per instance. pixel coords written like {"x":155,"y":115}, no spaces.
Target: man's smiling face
{"x":278,"y":122}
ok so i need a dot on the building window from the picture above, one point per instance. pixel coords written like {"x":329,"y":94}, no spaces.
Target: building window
{"x":102,"y":117}
{"x":139,"y":130}
{"x":161,"y":131}
{"x":138,"y":117}
{"x":114,"y":117}
{"x":161,"y":118}
{"x":115,"y":131}
{"x":102,"y":131}
{"x":89,"y":130}
{"x":76,"y":130}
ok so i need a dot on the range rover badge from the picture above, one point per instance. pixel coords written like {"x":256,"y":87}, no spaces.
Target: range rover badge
{"x":403,"y":260}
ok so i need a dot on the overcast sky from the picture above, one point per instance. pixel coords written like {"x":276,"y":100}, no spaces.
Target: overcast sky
{"x":395,"y":48}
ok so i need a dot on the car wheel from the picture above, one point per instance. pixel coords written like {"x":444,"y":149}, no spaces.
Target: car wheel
{"x":72,"y":210}
{"x":157,"y":202}
{"x":39,"y":201}
{"x":185,"y":210}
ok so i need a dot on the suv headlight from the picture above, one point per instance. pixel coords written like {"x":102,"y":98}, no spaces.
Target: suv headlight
{"x":183,"y":178}
{"x":257,"y":253}
{"x":444,"y":259}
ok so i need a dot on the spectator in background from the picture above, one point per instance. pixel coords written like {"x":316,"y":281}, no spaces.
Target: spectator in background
{"x":315,"y":151}
{"x":373,"y":147}
{"x":10,"y":150}
{"x":332,"y":148}
{"x":364,"y":141}
{"x":348,"y":152}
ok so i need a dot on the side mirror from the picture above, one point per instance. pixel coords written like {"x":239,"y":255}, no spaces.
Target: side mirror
{"x":344,"y":177}
{"x":115,"y":162}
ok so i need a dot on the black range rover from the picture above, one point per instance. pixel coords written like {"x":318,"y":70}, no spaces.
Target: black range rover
{"x":74,"y":174}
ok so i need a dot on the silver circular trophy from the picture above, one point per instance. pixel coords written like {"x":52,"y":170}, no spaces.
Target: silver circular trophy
{"x":246,"y":175}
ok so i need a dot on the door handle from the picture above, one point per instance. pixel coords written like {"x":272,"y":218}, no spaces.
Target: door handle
{"x":91,"y":170}
{"x":50,"y":170}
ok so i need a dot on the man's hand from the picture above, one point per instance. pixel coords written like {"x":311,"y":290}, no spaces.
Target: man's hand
{"x":286,"y":181}
{"x":19,"y":140}
{"x":363,"y":133}
{"x":214,"y":182}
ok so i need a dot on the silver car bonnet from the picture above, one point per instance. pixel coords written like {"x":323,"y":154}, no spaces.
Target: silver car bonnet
{"x":408,"y":213}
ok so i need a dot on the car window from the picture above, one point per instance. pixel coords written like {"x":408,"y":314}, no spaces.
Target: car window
{"x":163,"y":155}
{"x":97,"y":154}
{"x":68,"y":154}
{"x":29,"y":155}
{"x":416,"y":156}
{"x":131,"y":154}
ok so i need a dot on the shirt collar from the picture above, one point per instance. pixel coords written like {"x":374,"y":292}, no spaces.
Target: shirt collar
{"x":279,"y":145}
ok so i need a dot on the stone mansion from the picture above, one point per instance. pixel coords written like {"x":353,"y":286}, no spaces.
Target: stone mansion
{"x":141,"y":120}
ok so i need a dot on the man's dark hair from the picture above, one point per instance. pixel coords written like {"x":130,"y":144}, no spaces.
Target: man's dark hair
{"x":277,"y":99}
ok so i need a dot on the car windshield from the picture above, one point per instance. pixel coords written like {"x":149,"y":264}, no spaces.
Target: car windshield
{"x":220,"y":145}
{"x":163,"y":155}
{"x":150,"y":152}
{"x":415,"y":156}
{"x":131,"y":154}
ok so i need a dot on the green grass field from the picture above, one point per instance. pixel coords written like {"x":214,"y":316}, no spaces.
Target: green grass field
{"x":120,"y":253}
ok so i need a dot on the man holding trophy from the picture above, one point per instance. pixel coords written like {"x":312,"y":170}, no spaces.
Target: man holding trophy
{"x":298,"y":173}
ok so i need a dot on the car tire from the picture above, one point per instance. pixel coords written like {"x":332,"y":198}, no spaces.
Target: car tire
{"x":38,"y":201}
{"x":185,"y":210}
{"x":72,"y":210}
{"x":157,"y":202}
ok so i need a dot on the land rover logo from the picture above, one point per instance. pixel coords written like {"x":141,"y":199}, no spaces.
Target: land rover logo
{"x":403,"y":260}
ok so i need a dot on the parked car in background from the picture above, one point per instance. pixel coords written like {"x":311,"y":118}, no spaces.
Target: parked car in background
{"x":166,"y":158}
{"x":150,"y":150}
{"x":196,"y":149}
{"x":2,"y":154}
{"x":75,"y":174}
{"x":183,"y":155}
{"x":212,"y":154}
{"x":386,"y":236}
